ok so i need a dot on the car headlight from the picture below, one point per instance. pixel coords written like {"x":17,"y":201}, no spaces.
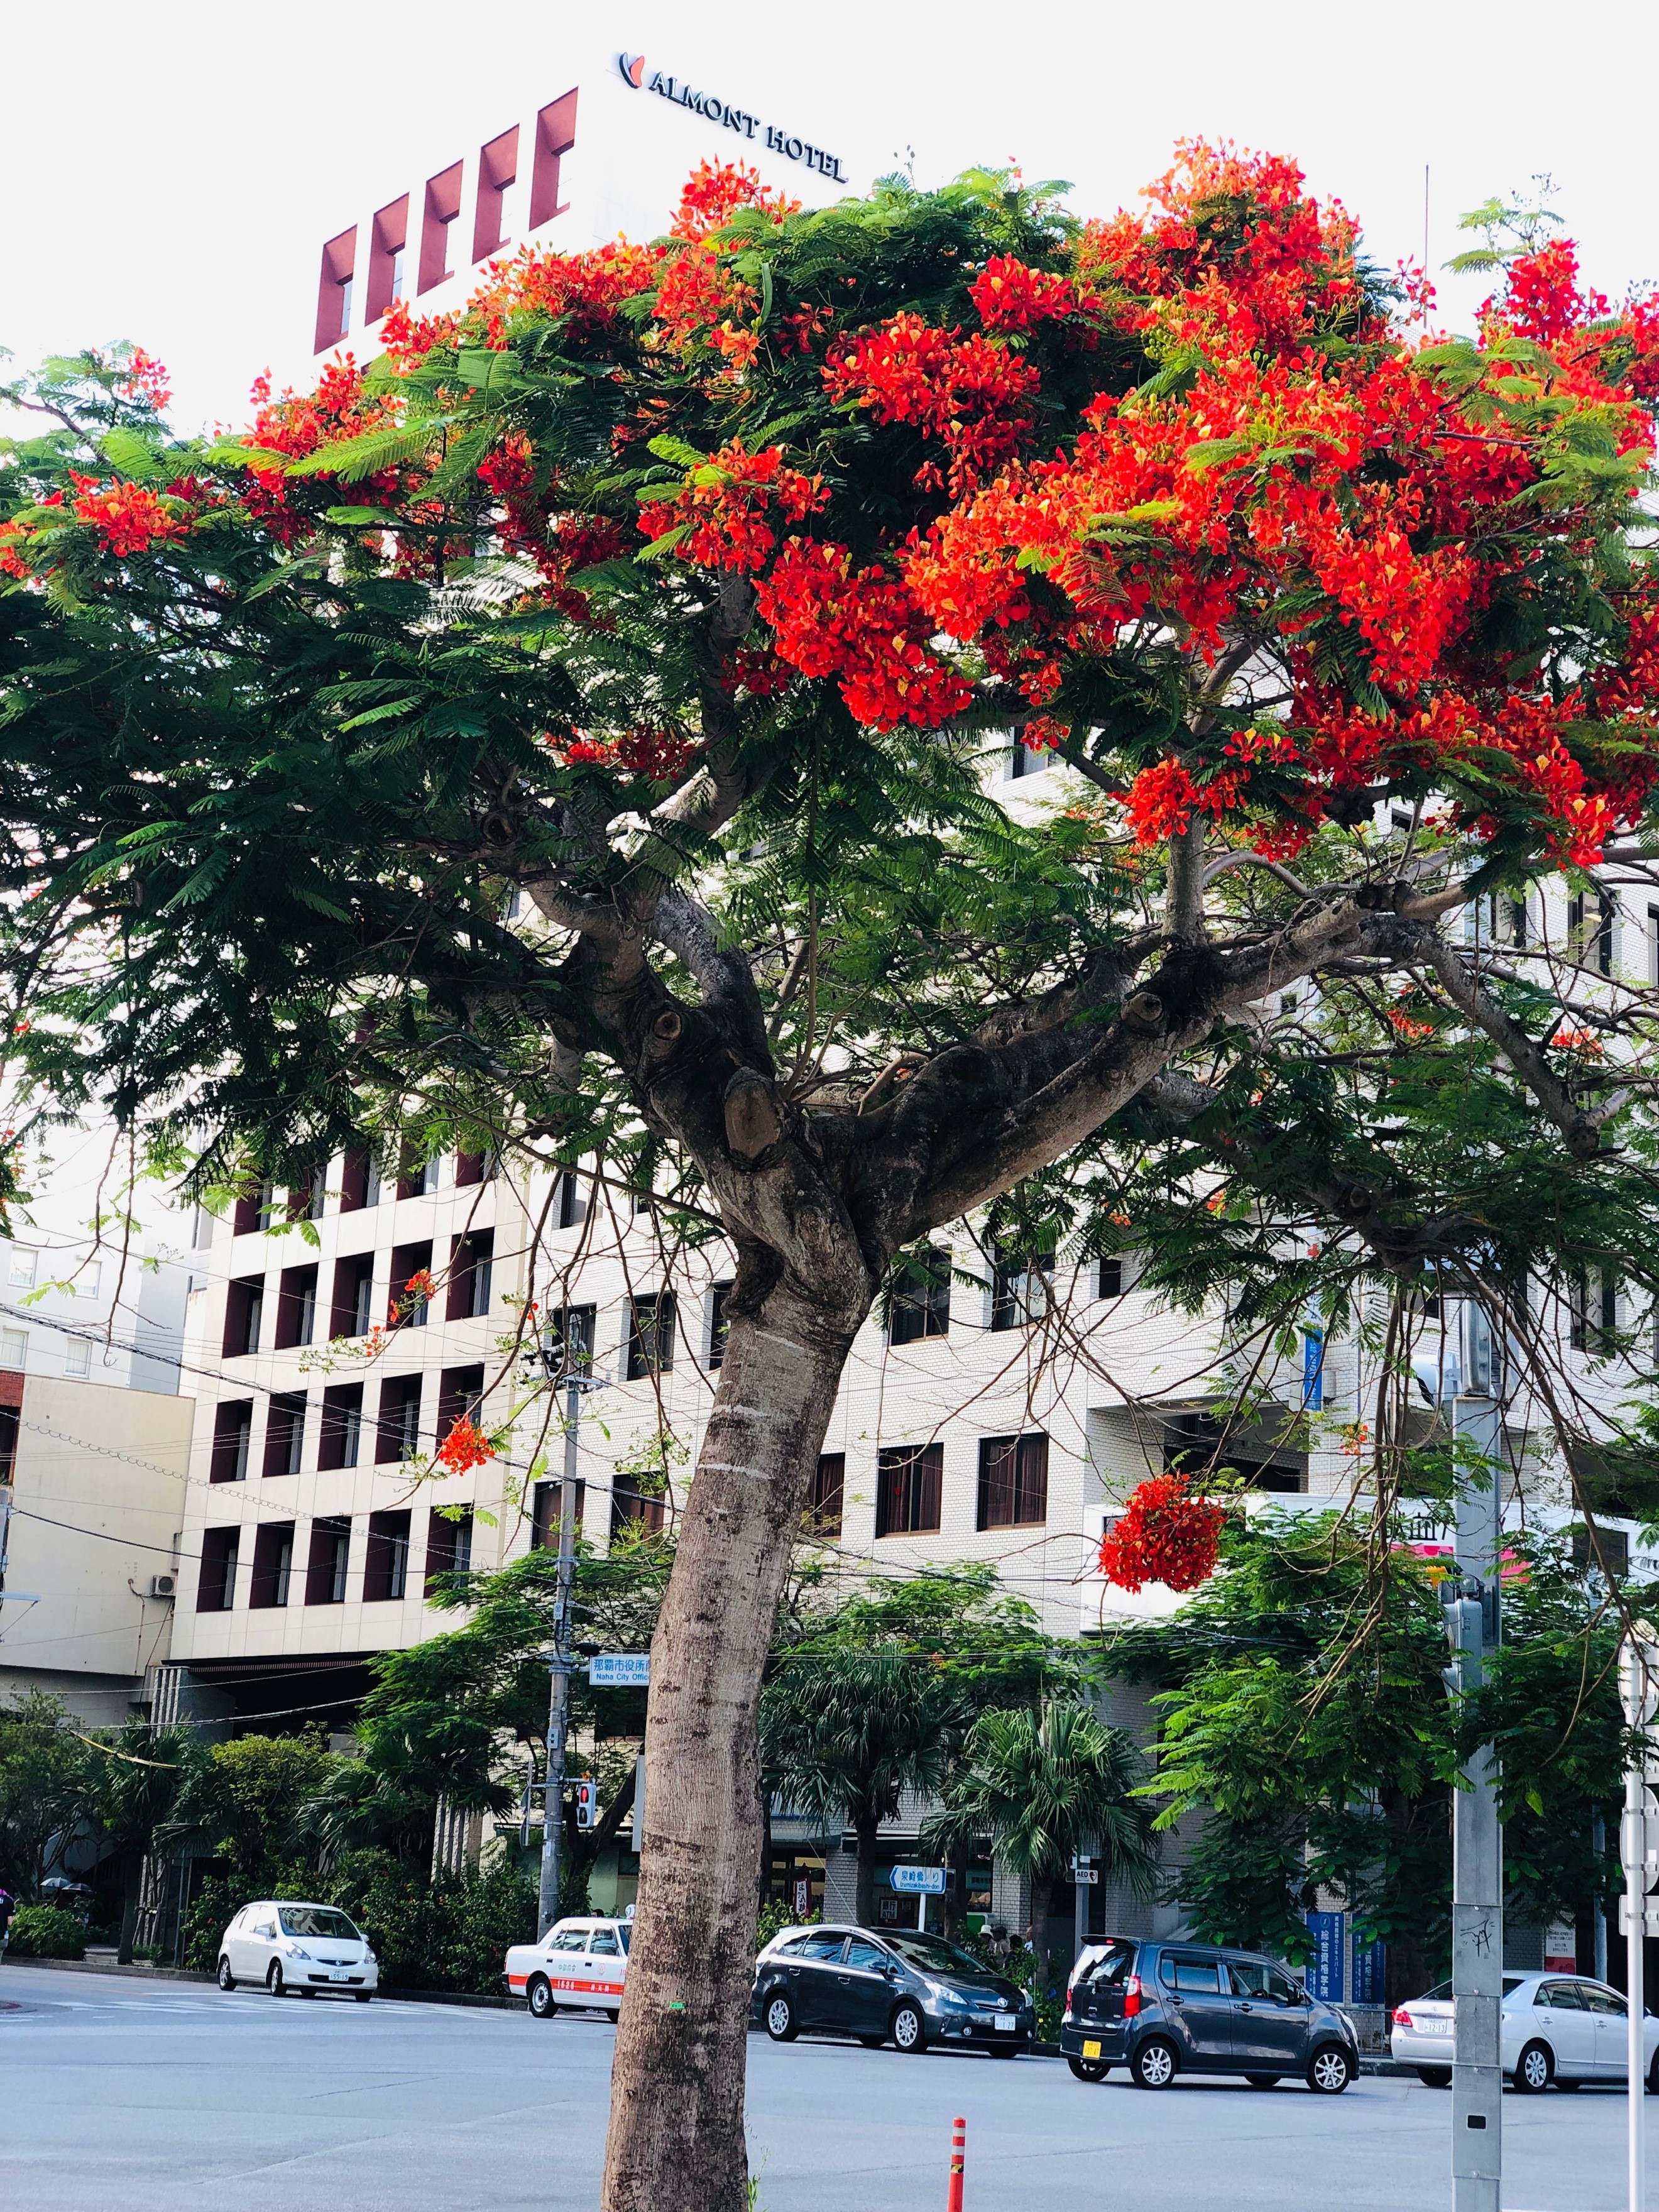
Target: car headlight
{"x":298,"y":1951}
{"x":951,"y":1998}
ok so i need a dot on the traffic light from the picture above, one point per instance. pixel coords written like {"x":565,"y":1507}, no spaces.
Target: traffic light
{"x":587,"y":1804}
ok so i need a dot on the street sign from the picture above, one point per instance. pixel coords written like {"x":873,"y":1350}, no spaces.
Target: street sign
{"x":927,"y":1881}
{"x":620,"y":1670}
{"x":1087,"y":1875}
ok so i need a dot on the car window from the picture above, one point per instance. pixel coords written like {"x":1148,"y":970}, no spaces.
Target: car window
{"x":322,"y":1920}
{"x":604,"y":1945}
{"x":1201,"y":1976}
{"x":1562,"y":1995}
{"x":1108,"y":1970}
{"x":1255,"y":1977}
{"x":623,"y":1932}
{"x":933,"y":1955}
{"x":825,"y":1946}
{"x":1596,"y":1999}
{"x":870,"y":1956}
{"x":569,"y":1939}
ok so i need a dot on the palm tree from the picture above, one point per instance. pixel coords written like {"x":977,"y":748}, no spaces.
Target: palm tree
{"x":133,"y":1779}
{"x":843,"y":1733}
{"x":1046,"y":1789}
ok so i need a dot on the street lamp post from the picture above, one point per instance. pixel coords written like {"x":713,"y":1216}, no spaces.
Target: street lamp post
{"x":1639,"y":1844}
{"x":559,"y":1665}
{"x":1473,"y":1626}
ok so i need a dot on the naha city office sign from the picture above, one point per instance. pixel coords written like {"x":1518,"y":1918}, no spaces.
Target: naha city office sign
{"x":709,"y":104}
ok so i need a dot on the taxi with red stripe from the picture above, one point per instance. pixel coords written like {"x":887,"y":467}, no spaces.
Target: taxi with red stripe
{"x":578,"y":1966}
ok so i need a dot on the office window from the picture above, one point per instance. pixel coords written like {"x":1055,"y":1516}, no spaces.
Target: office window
{"x":472,"y":1168}
{"x":296,"y":1308}
{"x":77,"y":1356}
{"x":1021,"y":1291}
{"x":460,"y":1397}
{"x":216,"y":1583}
{"x":14,"y":1349}
{"x":397,"y":1432}
{"x":89,"y":1279}
{"x":635,"y":1504}
{"x":909,"y":1487}
{"x":331,"y":1554}
{"x":449,"y":1544}
{"x":471,"y":1265}
{"x":351,"y":1310}
{"x":567,"y":1335}
{"x":273,"y":1563}
{"x":10,"y":1424}
{"x":285,"y":1432}
{"x":555,"y":134}
{"x":388,"y":235}
{"x":828,"y":1488}
{"x":385,"y":1559}
{"x":650,"y":1334}
{"x":1013,"y":1482}
{"x":921,"y":1302}
{"x":1592,"y":931}
{"x":356,"y":1172}
{"x":233,"y":1426}
{"x":24,"y":1264}
{"x":245,"y":1306}
{"x":334,"y":290}
{"x":1025,"y":760}
{"x":720,"y":1326}
{"x":254,"y":1210}
{"x":571,"y":1207}
{"x":1108,"y":1278}
{"x":341,"y":1439}
{"x":441,"y":206}
{"x":409,"y":1262}
{"x":545,"y":1509}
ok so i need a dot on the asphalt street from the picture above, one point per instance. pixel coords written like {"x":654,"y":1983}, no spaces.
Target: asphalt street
{"x":127,"y":2096}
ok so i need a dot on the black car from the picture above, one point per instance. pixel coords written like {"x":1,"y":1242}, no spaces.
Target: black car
{"x":897,"y":1986}
{"x":1163,"y":2008}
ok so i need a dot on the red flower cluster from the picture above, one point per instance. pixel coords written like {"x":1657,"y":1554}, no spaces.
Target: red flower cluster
{"x":145,"y":380}
{"x":716,"y":190}
{"x":419,"y":1290}
{"x":829,"y":619}
{"x":1011,"y":297}
{"x":725,"y":503}
{"x":1165,"y":1535}
{"x":974,"y":394}
{"x":127,"y":517}
{"x":296,"y":426}
{"x":657,"y":756}
{"x":465,"y":1447}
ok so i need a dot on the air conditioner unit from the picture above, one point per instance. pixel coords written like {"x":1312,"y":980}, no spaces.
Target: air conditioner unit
{"x":164,"y":1585}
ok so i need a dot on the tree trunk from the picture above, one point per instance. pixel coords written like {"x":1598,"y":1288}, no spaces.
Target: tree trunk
{"x":132,"y":1875}
{"x":1042,"y":1890}
{"x":676,"y":2122}
{"x":866,"y":1827}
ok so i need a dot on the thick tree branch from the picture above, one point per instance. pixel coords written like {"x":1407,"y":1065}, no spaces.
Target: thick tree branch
{"x":1462,"y":988}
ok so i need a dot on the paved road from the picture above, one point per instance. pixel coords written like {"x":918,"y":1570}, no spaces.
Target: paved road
{"x":118,"y":2095}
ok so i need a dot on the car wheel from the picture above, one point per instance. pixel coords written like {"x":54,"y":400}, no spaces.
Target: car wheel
{"x":1262,"y":2081}
{"x":539,"y":1996}
{"x":909,"y":2029}
{"x":362,"y":1995}
{"x":1532,"y":2069}
{"x":872,"y":2042}
{"x":273,"y":1981}
{"x":227,"y":1979}
{"x":1435,"y":2077}
{"x":1330,"y":2070}
{"x":780,"y":2017}
{"x":1153,"y":2066}
{"x":1089,"y":2069}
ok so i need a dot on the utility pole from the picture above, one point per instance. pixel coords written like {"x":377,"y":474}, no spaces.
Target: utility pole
{"x":1638,"y":1847}
{"x":558,"y":1659}
{"x":1473,"y":1626}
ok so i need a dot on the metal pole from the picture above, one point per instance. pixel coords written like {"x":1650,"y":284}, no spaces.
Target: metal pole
{"x":1477,"y":1839}
{"x":558,"y":1703}
{"x":1598,"y":1846}
{"x":1634,"y":1848}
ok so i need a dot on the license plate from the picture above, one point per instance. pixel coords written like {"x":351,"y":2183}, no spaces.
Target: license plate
{"x":1006,"y":2023}
{"x":1092,"y":2051}
{"x":339,"y":1974}
{"x":1433,"y":2026}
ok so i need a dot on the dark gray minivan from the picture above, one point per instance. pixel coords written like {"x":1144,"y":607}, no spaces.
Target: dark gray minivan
{"x":1163,"y":2008}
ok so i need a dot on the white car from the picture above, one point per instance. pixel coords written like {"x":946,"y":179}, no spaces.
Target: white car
{"x":579,"y":1965}
{"x":1556,"y":2027}
{"x":293,"y":1948}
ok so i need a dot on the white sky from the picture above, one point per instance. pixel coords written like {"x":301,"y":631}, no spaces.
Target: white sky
{"x":174,"y":168}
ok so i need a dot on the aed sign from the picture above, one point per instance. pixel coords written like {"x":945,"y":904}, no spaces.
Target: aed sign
{"x":634,"y":73}
{"x":928,"y":1880}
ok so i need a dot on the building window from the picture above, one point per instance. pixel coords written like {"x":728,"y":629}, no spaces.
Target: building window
{"x":215,"y":1587}
{"x":471,"y":1265}
{"x":409,"y":1307}
{"x":498,"y":169}
{"x":1609,"y":1554}
{"x":254,"y":1211}
{"x":634,"y":1505}
{"x":555,"y":134}
{"x":245,"y":1306}
{"x":233,"y":1426}
{"x":77,"y":1356}
{"x":572,"y":1205}
{"x":273,"y":1563}
{"x":720,"y":1324}
{"x":386,"y":1560}
{"x":285,"y":1432}
{"x":1592,"y":931}
{"x":1013,"y":1482}
{"x":20,"y":1273}
{"x":449,"y":1544}
{"x":921,"y":1302}
{"x":828,"y":1488}
{"x":331,"y":1555}
{"x":352,"y":1310}
{"x":460,"y":1397}
{"x":388,"y":235}
{"x":439,"y":207}
{"x":474,"y":1168}
{"x":1025,"y":760}
{"x":10,"y":1421}
{"x":650,"y":1334}
{"x":13,"y":1349}
{"x":545,"y":1509}
{"x":341,"y":1439}
{"x":398,"y":1430}
{"x":89,"y":1279}
{"x":1021,"y":1291}
{"x":568,"y":1339}
{"x":909,"y":1487}
{"x":358,"y":1173}
{"x":334,"y":290}
{"x":296,"y":1308}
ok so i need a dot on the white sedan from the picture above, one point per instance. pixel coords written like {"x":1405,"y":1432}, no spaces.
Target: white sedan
{"x":1556,"y":2027}
{"x":578,"y":1965}
{"x":294,"y":1948}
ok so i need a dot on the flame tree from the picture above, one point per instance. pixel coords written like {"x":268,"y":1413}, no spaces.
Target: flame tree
{"x":682,"y":589}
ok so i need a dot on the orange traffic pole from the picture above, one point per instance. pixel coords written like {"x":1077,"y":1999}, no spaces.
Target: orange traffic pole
{"x":958,"y":2156}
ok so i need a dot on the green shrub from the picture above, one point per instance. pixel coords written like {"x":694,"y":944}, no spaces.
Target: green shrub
{"x":449,"y":1931}
{"x":776,"y":1917}
{"x":46,"y":1931}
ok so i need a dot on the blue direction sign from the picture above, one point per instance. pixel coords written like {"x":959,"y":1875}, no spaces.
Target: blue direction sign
{"x":929,"y":1880}
{"x":620,"y":1670}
